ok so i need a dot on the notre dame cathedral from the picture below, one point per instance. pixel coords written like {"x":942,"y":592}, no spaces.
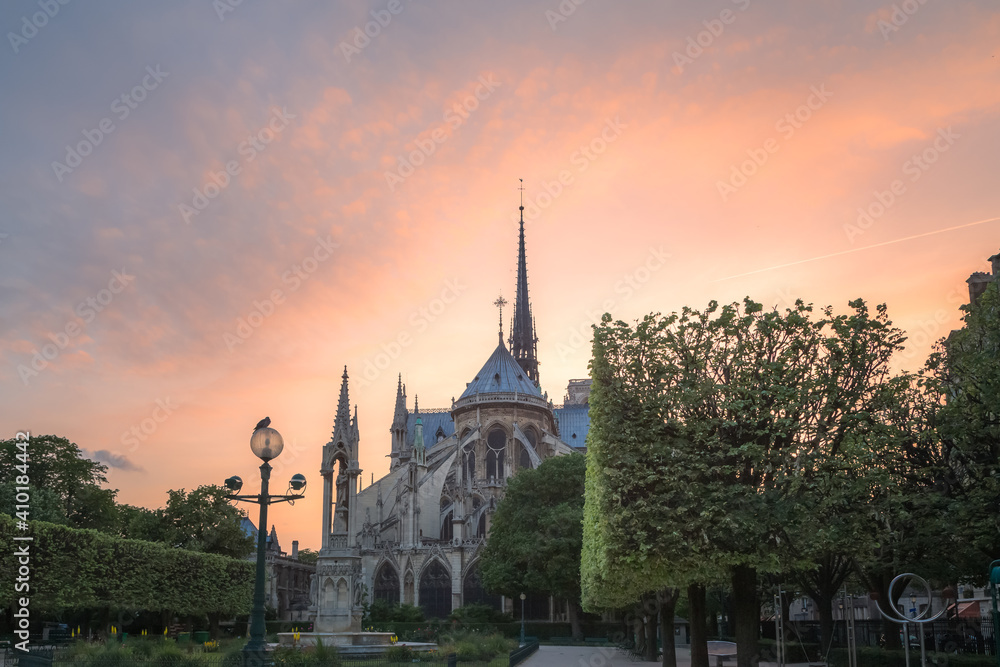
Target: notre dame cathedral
{"x":414,"y":536}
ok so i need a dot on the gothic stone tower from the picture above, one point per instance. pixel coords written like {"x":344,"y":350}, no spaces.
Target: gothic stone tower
{"x":339,"y":573}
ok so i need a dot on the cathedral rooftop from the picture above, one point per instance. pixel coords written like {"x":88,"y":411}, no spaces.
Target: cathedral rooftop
{"x":501,"y":374}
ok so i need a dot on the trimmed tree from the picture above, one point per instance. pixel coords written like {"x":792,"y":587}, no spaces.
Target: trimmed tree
{"x":757,"y":415}
{"x":536,"y":535}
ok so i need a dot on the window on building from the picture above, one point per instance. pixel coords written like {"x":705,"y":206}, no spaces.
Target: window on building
{"x":387,"y":584}
{"x":524,"y":460}
{"x":496,"y":446}
{"x":435,"y":590}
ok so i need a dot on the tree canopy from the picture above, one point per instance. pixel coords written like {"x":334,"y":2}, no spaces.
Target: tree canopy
{"x":536,"y":534}
{"x":712,"y":432}
{"x":65,"y":489}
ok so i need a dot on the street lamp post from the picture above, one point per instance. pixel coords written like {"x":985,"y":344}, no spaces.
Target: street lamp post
{"x":266,"y":444}
{"x":522,"y":618}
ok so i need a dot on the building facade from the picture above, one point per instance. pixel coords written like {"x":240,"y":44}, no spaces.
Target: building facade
{"x":288,"y":582}
{"x":415,"y":535}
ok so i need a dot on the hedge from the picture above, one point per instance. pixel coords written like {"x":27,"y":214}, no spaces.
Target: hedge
{"x":72,"y":569}
{"x":877,"y":657}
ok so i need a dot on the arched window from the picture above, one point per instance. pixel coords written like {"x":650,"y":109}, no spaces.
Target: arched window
{"x":435,"y":591}
{"x":473,"y":593}
{"x":524,"y":460}
{"x":470,"y":463}
{"x":496,"y":445}
{"x":387,"y":584}
{"x":447,"y":532}
{"x":481,"y":530}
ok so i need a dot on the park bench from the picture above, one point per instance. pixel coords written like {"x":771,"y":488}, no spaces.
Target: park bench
{"x":721,"y":651}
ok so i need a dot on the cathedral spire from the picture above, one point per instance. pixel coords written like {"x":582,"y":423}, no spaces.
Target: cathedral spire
{"x":418,"y":435}
{"x":523,"y":343}
{"x":398,"y":428}
{"x":343,"y":408}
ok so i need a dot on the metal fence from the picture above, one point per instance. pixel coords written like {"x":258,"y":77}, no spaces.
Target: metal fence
{"x":966,"y":635}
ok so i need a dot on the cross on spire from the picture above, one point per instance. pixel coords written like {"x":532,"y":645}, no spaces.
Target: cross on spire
{"x":500,"y":303}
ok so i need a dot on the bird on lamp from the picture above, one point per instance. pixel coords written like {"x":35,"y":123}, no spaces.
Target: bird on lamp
{"x":263,"y":423}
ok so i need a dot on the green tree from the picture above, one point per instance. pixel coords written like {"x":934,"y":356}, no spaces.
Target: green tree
{"x":46,"y":505}
{"x":203,"y":520}
{"x":536,"y":535}
{"x":756,"y":414}
{"x":962,"y":380}
{"x":58,"y":465}
{"x":140,"y":523}
{"x":95,"y":508}
{"x":308,"y":556}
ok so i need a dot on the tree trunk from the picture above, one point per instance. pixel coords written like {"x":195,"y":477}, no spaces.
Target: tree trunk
{"x":640,"y":632}
{"x":573,"y":611}
{"x":649,"y":620}
{"x":825,"y":608}
{"x":699,"y":631}
{"x":667,"y":602}
{"x":891,"y":630}
{"x":746,"y":614}
{"x":105,"y":630}
{"x":213,"y":625}
{"x":878,"y":583}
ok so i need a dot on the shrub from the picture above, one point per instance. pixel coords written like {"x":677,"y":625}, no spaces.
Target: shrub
{"x":382,"y":611}
{"x":475,"y":646}
{"x":326,"y":655}
{"x":795,"y":651}
{"x":399,"y":654}
{"x":479,"y":613}
{"x":877,"y":657}
{"x":169,"y":653}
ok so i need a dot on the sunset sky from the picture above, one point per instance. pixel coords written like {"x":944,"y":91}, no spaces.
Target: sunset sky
{"x":208,"y":209}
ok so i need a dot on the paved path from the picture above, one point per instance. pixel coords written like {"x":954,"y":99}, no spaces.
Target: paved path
{"x":592,"y":656}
